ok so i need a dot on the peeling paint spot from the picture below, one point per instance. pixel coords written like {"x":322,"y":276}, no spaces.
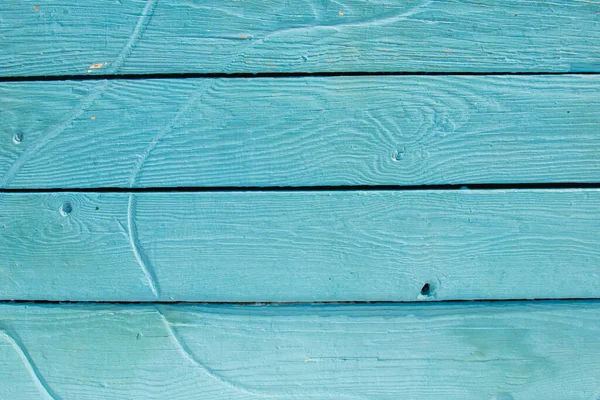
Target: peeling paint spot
{"x":97,"y":66}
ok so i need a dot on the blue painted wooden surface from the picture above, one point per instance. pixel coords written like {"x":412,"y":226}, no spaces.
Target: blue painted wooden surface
{"x":452,"y":351}
{"x":394,"y":130}
{"x":57,"y":37}
{"x":300,"y":246}
{"x":96,"y":243}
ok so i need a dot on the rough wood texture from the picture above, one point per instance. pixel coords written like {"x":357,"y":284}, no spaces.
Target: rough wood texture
{"x":403,"y":130}
{"x":55,"y":37}
{"x":300,"y":246}
{"x":465,"y":351}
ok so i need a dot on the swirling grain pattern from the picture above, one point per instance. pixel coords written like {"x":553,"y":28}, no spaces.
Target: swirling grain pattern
{"x":301,"y":131}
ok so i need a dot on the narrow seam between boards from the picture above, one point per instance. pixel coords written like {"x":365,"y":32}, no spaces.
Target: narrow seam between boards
{"x":282,"y":75}
{"x":302,"y":303}
{"x":318,"y":188}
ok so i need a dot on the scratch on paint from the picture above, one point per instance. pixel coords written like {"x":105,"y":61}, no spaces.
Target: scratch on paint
{"x":156,"y":139}
{"x":7,"y":276}
{"x":139,"y":256}
{"x":87,"y":101}
{"x":207,"y":370}
{"x":377,"y":21}
{"x":122,"y":227}
{"x":187,"y":353}
{"x":135,"y":36}
{"x":29,"y":364}
{"x":57,"y":130}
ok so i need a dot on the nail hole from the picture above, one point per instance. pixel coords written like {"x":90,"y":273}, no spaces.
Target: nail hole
{"x":397,"y":156}
{"x":17,"y":138}
{"x":426,"y":290}
{"x":66,"y":209}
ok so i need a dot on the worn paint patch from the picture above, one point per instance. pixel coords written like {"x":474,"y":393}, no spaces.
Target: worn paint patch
{"x":97,"y":66}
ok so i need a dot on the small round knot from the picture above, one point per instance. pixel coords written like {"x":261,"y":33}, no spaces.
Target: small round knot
{"x":398,"y":155}
{"x":17,"y":138}
{"x":66,"y":209}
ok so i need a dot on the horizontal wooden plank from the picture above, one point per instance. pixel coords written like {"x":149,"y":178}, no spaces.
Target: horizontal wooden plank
{"x":56,"y":37}
{"x":300,"y":246}
{"x":394,"y":130}
{"x":466,"y":351}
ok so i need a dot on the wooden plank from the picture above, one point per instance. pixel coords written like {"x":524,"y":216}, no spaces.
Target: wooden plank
{"x":452,"y":351}
{"x":57,"y":37}
{"x":300,"y":246}
{"x":407,"y":130}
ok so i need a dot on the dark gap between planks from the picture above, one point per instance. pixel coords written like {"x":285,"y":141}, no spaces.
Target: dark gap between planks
{"x":219,"y":75}
{"x":302,"y":303}
{"x":341,"y":188}
{"x":556,"y":185}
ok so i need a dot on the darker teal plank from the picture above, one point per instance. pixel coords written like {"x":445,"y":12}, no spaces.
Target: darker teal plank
{"x":463,"y":351}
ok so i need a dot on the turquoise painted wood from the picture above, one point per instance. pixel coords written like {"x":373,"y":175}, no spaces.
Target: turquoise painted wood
{"x":453,"y":351}
{"x":468,"y":125}
{"x":300,"y":246}
{"x":393,"y":130}
{"x":57,"y":37}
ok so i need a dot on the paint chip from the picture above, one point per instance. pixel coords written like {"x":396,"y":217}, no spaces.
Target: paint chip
{"x":97,"y":66}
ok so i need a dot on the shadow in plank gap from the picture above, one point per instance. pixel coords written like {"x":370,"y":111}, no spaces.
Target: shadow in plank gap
{"x":280,"y":75}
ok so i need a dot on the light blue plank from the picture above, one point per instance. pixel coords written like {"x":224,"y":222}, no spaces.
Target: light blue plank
{"x":300,"y":246}
{"x":300,"y":131}
{"x":494,"y":351}
{"x":56,"y":37}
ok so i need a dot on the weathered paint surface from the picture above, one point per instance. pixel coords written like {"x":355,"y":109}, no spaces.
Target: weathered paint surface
{"x":452,"y":351}
{"x":300,"y":246}
{"x":392,"y":130}
{"x":209,"y":129}
{"x":57,"y":37}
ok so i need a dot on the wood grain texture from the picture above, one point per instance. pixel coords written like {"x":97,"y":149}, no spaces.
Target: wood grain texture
{"x":57,"y":37}
{"x":300,"y":246}
{"x":467,"y":351}
{"x":394,"y":130}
